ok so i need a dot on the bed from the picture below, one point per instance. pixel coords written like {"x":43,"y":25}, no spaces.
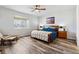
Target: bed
{"x":46,"y":34}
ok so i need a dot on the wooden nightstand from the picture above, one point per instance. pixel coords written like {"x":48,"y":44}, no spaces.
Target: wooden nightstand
{"x":62,"y":34}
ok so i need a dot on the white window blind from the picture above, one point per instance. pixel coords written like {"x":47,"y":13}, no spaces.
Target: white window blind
{"x":19,"y":23}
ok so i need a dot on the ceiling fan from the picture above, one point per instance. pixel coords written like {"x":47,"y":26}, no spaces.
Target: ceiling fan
{"x":38,"y":8}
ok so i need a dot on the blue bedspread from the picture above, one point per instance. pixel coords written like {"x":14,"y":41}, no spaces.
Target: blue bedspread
{"x":54,"y":33}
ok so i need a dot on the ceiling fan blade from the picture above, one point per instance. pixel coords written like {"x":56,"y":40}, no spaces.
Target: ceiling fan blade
{"x":37,"y":8}
{"x":41,"y":9}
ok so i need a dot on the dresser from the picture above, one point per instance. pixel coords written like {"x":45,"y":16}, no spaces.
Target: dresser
{"x":62,"y":34}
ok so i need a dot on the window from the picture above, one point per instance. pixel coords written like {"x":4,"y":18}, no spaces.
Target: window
{"x":19,"y":23}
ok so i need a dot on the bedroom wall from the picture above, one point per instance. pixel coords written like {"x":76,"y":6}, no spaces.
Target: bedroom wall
{"x":7,"y":22}
{"x":77,"y":25}
{"x":63,"y":17}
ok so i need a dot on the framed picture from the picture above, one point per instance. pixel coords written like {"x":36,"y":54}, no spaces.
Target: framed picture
{"x":50,"y":20}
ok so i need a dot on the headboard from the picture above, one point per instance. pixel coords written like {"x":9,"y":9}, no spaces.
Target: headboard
{"x":54,"y":26}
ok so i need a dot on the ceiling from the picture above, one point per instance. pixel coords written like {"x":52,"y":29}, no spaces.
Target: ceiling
{"x":49,"y":8}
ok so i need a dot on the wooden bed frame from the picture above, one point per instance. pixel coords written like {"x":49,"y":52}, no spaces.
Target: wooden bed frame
{"x":49,"y":36}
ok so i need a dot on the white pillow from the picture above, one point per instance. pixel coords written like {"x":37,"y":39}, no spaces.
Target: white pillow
{"x":1,"y":35}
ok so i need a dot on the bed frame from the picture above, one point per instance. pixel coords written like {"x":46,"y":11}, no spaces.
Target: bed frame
{"x":49,"y":36}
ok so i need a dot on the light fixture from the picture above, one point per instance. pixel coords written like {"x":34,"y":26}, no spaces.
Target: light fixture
{"x":38,"y":8}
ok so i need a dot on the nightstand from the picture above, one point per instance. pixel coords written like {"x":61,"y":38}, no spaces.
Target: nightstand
{"x":62,"y":34}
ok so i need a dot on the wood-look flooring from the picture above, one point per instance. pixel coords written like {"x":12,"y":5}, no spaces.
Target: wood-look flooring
{"x":28,"y":45}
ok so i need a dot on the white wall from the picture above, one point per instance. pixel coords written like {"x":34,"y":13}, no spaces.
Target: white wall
{"x":7,"y":22}
{"x":77,"y":26}
{"x":66,"y":17}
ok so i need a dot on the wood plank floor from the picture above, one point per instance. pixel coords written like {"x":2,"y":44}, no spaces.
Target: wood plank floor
{"x":28,"y":45}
